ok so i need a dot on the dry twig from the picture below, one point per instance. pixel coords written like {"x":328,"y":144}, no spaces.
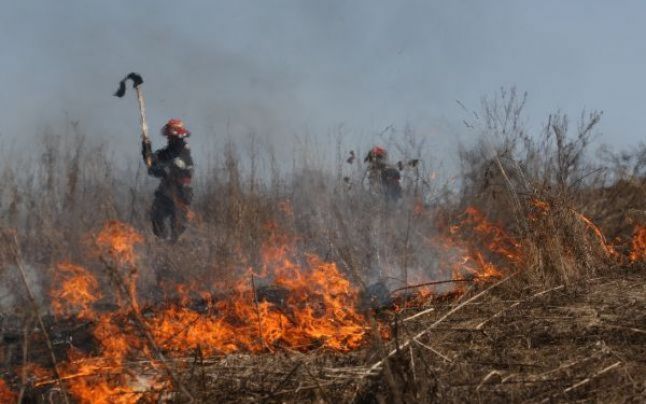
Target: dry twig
{"x":589,"y":379}
{"x":479,"y":326}
{"x":379,"y":363}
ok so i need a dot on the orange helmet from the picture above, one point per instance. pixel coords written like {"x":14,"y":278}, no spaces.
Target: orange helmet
{"x":175,"y":128}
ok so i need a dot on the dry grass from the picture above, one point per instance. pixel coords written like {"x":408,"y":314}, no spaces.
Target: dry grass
{"x":567,"y":325}
{"x":555,"y":345}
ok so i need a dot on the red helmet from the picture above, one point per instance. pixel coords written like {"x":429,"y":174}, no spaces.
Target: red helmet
{"x":175,"y":128}
{"x":378,"y":151}
{"x":376,"y":155}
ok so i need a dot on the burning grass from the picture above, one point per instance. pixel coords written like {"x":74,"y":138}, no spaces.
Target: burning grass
{"x":525,"y":284}
{"x":638,"y":244}
{"x":315,"y":308}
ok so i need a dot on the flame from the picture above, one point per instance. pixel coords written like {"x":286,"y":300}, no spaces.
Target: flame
{"x":316,"y":309}
{"x":310,"y":303}
{"x":118,"y":240}
{"x":100,"y":378}
{"x":605,"y":246}
{"x":479,"y":248}
{"x":6,"y":395}
{"x":539,"y":209}
{"x":494,"y":238}
{"x":472,"y":248}
{"x":34,"y":371}
{"x":638,"y":250}
{"x":99,"y":390}
{"x":74,"y":291}
{"x":314,"y":304}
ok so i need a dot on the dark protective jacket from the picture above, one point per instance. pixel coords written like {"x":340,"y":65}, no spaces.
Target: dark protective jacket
{"x":385,"y":178}
{"x":174,"y":165}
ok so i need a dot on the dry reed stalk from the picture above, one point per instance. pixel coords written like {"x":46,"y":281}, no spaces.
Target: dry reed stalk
{"x":379,"y":363}
{"x":36,"y":309}
{"x":479,"y":326}
{"x":122,"y":288}
{"x":589,"y":379}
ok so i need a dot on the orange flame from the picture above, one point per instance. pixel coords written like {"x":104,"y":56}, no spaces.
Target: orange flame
{"x":313,"y":304}
{"x":472,"y":248}
{"x":97,"y":390}
{"x":316,"y":309}
{"x":607,"y":248}
{"x":638,"y":250}
{"x":101,"y":379}
{"x":6,"y":395}
{"x":118,"y":241}
{"x":74,"y":291}
{"x":479,"y":248}
{"x":540,"y":209}
{"x":494,"y":237}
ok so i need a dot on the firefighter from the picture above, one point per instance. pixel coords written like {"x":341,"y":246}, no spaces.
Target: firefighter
{"x":174,"y":165}
{"x":383,"y":177}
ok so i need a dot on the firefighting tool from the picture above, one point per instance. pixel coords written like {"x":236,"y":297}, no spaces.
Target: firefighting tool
{"x":137,"y":81}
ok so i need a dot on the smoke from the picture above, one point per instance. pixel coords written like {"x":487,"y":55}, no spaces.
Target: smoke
{"x":12,"y":289}
{"x":304,"y":68}
{"x":301,"y":69}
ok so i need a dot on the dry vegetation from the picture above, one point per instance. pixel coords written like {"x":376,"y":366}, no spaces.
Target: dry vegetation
{"x":560,"y":317}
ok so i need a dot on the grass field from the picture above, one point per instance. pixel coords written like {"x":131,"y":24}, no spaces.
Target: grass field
{"x":521,"y":280}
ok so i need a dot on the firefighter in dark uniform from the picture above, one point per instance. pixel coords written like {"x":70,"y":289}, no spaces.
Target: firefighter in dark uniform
{"x":383,"y":177}
{"x":174,"y":165}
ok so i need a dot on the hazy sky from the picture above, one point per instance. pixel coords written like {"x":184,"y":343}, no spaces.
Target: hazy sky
{"x":285,"y":67}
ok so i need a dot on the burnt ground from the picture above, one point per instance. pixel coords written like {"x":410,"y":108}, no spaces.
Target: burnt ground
{"x":578,"y":343}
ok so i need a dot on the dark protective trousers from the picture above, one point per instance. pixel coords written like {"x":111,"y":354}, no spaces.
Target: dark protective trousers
{"x":166,"y":209}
